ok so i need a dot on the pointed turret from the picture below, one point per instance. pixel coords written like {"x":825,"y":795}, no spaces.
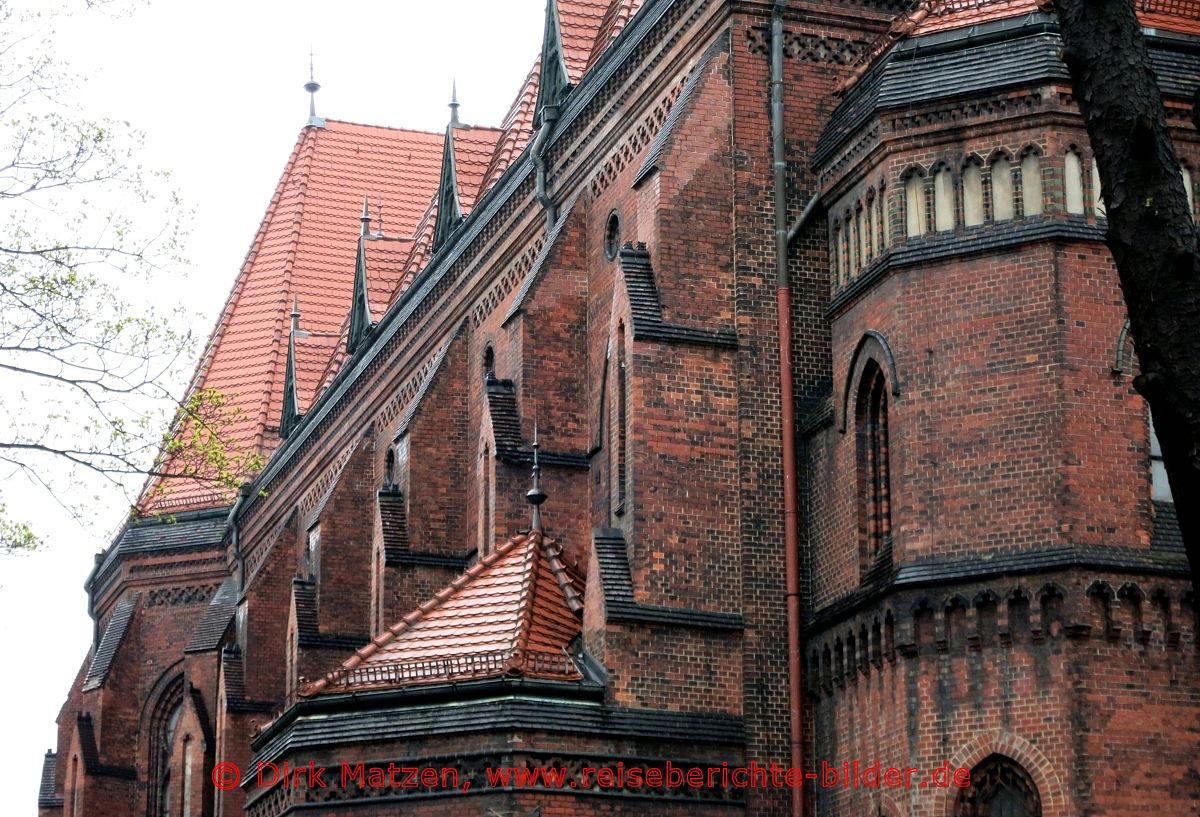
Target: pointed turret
{"x":360,"y":303}
{"x":454,"y":123}
{"x":290,"y":417}
{"x":554,"y":81}
{"x":535,"y":496}
{"x":449,"y":211}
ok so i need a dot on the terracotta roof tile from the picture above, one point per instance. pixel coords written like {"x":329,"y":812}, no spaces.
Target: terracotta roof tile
{"x":305,"y":248}
{"x":611,"y":25}
{"x":513,"y":613}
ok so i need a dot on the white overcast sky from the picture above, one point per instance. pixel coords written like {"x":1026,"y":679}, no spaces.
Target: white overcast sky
{"x":216,"y":87}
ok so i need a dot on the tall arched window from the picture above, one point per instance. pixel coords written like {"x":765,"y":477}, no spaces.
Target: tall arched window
{"x":972,"y":186}
{"x":943,"y":200}
{"x":839,"y":256}
{"x":881,"y":217}
{"x":873,"y":245}
{"x":1031,"y":184}
{"x":1002,"y":188}
{"x":1000,"y":787}
{"x":1097,"y":197}
{"x":164,"y":790}
{"x":874,"y":483}
{"x":622,"y":453}
{"x":864,"y":240}
{"x":851,"y":246}
{"x":489,"y":363}
{"x":914,"y":204}
{"x":1073,"y":182}
{"x":486,"y":508}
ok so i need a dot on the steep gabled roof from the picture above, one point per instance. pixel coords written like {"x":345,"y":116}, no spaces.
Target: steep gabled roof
{"x":513,"y":613}
{"x":304,"y":248}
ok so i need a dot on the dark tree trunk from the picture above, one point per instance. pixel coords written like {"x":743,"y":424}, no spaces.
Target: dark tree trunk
{"x":1150,"y":231}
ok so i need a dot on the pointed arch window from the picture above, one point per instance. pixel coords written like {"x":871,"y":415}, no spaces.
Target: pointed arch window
{"x":622,"y":446}
{"x":1031,"y":184}
{"x":1186,"y":175}
{"x":1073,"y":182}
{"x":972,"y":187}
{"x":873,"y":455}
{"x":874,"y":246}
{"x":838,"y":256}
{"x":1002,"y":188}
{"x":943,"y":200}
{"x":164,"y":790}
{"x":1097,"y":197}
{"x":489,"y":363}
{"x":1000,"y":787}
{"x":914,"y":204}
{"x":486,"y":500}
{"x":864,"y":239}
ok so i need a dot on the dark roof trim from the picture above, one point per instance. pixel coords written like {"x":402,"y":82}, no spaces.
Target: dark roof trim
{"x":646,"y":309}
{"x":213,"y":624}
{"x":46,"y":796}
{"x":177,"y":524}
{"x":110,"y":642}
{"x":987,"y":238}
{"x":620,"y":604}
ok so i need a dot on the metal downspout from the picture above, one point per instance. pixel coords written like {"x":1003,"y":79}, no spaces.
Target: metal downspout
{"x":549,"y":117}
{"x":787,"y":408}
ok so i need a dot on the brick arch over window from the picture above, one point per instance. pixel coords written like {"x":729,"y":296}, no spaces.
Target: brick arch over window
{"x":164,"y":718}
{"x":871,"y":346}
{"x":1018,"y":751}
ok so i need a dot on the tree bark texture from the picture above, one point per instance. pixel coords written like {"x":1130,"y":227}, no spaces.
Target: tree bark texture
{"x":1150,"y":231}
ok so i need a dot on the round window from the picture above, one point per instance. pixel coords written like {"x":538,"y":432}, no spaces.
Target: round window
{"x":612,"y":236}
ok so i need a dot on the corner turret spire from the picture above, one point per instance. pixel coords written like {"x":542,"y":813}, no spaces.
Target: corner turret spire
{"x":535,"y":496}
{"x":290,"y":418}
{"x":454,"y":123}
{"x":554,"y":81}
{"x":360,"y":303}
{"x":449,"y":210}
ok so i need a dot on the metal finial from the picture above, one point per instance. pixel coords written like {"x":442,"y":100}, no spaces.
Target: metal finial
{"x":365,"y":218}
{"x":295,"y":314}
{"x":454,"y":103}
{"x":535,"y":496}
{"x":312,"y":86}
{"x":379,"y":213}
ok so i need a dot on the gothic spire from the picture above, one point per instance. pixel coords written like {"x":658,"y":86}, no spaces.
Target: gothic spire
{"x":554,"y":81}
{"x":290,"y":417}
{"x":360,"y":303}
{"x":454,"y":123}
{"x":449,"y":210}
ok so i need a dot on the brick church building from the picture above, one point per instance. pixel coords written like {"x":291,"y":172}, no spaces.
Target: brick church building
{"x":758,"y":392}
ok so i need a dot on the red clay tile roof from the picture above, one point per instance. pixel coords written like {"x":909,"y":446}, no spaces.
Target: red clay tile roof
{"x":473,"y":149}
{"x":512,"y":614}
{"x":305,"y":248}
{"x":612,"y":24}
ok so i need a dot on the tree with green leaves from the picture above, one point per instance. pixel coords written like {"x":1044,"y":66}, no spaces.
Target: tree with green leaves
{"x":88,"y":375}
{"x":1151,"y":233}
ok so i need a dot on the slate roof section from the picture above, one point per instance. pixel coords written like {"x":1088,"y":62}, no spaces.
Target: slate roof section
{"x":513,"y":614}
{"x":1166,"y":537}
{"x":646,"y":308}
{"x":213,"y":624}
{"x":91,"y":755}
{"x":308,"y":627}
{"x":233,"y":671}
{"x":654,"y":155}
{"x":393,"y":517}
{"x":1013,"y":45}
{"x":305,"y":248}
{"x":110,"y":642}
{"x":46,"y":796}
{"x":506,"y":420}
{"x":505,"y":712}
{"x":620,"y":604}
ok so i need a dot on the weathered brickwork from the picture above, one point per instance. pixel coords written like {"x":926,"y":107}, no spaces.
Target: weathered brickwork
{"x":987,"y":577}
